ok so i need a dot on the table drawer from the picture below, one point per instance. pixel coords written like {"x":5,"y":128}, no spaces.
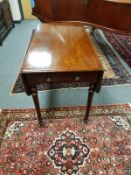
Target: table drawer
{"x":37,"y":78}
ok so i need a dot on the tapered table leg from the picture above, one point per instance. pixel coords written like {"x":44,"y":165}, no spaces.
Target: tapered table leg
{"x":89,"y":102}
{"x":37,"y":106}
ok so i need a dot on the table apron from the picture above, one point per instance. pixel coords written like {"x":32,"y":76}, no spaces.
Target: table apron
{"x":38,"y":78}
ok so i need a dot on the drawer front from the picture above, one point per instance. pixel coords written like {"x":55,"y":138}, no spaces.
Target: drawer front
{"x":7,"y":15}
{"x":9,"y":23}
{"x":39,"y":78}
{"x":3,"y":31}
{"x":5,"y":5}
{"x":2,"y":24}
{"x":7,"y":11}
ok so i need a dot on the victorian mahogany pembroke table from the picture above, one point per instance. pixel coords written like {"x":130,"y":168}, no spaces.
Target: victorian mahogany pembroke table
{"x":60,"y":53}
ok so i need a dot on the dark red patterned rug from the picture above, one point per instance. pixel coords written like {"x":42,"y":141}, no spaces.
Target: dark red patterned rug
{"x":66,"y":146}
{"x":122,"y":44}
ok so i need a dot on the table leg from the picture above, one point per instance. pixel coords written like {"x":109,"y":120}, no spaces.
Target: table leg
{"x":37,"y":106}
{"x":89,"y":102}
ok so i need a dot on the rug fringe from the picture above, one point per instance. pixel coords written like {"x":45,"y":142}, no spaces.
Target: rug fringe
{"x":108,"y":72}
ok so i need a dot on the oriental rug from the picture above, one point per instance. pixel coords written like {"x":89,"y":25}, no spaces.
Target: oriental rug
{"x":122,"y":44}
{"x":65,"y":145}
{"x":114,"y":72}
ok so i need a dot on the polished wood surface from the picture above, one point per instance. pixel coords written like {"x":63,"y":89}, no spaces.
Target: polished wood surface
{"x":120,"y":1}
{"x":60,"y":53}
{"x":61,"y":48}
{"x":111,"y":15}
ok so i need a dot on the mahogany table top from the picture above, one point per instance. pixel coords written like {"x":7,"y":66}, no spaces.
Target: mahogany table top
{"x":61,"y":48}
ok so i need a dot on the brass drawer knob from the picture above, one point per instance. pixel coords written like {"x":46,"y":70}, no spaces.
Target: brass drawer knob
{"x":48,"y":79}
{"x":77,"y":78}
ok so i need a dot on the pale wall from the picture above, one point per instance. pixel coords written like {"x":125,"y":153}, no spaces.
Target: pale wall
{"x":27,"y":9}
{"x":15,"y":10}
